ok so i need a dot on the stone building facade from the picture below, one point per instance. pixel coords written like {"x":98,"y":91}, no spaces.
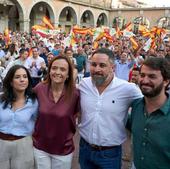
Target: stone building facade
{"x":23,"y":14}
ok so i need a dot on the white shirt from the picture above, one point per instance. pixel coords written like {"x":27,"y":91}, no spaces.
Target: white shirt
{"x":104,"y":116}
{"x":34,"y":70}
{"x":10,"y":64}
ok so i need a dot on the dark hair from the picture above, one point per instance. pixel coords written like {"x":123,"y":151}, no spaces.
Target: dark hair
{"x":106,"y":51}
{"x":35,"y":47}
{"x":158,"y":64}
{"x":12,"y":48}
{"x":22,"y":51}
{"x":136,"y":68}
{"x":68,"y":49}
{"x":107,"y":44}
{"x":84,"y":45}
{"x":69,"y":83}
{"x":47,"y":49}
{"x":167,"y":57}
{"x":8,"y":96}
{"x":23,"y":45}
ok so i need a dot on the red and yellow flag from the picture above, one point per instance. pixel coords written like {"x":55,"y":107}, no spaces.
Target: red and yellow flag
{"x":40,"y":27}
{"x":128,"y":27}
{"x":142,"y":28}
{"x":47,"y":22}
{"x":118,"y":32}
{"x":95,"y":44}
{"x":153,"y":43}
{"x":7,"y":36}
{"x":30,"y":52}
{"x":134,"y":43}
{"x":82,"y":31}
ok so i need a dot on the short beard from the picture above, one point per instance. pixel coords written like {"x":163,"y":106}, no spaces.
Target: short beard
{"x":98,"y":81}
{"x":155,"y":92}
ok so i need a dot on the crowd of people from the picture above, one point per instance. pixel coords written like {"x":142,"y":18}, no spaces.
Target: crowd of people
{"x":48,"y":90}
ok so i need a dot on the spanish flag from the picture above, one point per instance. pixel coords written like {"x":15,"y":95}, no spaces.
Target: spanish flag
{"x":82,"y":31}
{"x":134,"y":43}
{"x":7,"y":37}
{"x":72,"y":38}
{"x":95,"y":44}
{"x":153,"y":44}
{"x":96,"y":33}
{"x":30,"y":52}
{"x":142,"y":28}
{"x":108,"y":36}
{"x":40,"y":27}
{"x":128,"y":27}
{"x":48,"y":23}
{"x":118,"y":32}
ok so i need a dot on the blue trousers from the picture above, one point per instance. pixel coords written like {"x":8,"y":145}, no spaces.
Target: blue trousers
{"x":90,"y":158}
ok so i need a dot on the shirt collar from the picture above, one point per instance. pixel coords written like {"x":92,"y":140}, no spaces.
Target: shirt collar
{"x":51,"y":94}
{"x":123,"y":63}
{"x":165,"y":109}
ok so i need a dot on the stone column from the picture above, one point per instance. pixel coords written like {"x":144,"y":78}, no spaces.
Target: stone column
{"x":56,"y":24}
{"x":24,"y":25}
{"x":78,"y":15}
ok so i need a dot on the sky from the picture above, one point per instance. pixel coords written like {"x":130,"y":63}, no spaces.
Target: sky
{"x":158,"y":3}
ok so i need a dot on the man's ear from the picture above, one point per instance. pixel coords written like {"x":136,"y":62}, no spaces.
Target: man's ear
{"x":167,"y":83}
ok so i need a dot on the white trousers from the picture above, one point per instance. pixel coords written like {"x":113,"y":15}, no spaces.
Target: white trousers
{"x":45,"y":160}
{"x":16,"y":154}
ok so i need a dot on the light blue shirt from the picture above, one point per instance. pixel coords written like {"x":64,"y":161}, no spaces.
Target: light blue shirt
{"x":2,"y":54}
{"x":122,"y":69}
{"x":19,"y":122}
